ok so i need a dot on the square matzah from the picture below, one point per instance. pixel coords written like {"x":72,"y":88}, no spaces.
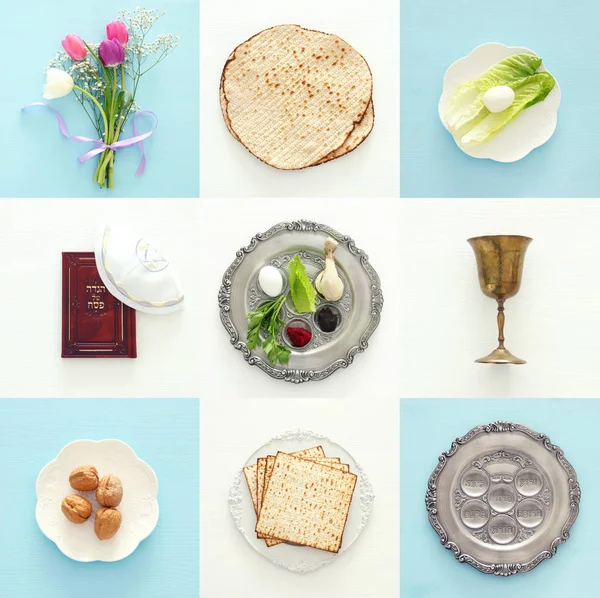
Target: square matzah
{"x":306,"y":503}
{"x":250,"y":475}
{"x":331,"y":461}
{"x":313,"y":452}
{"x":334,"y":462}
{"x":260,"y":481}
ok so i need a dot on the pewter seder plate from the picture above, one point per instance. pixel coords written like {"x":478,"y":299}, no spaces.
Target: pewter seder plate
{"x":358,"y":310}
{"x":503,"y":498}
{"x":301,"y":559}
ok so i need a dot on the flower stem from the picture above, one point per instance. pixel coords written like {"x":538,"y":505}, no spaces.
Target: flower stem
{"x":93,"y":54}
{"x":111,"y":173}
{"x":87,"y":93}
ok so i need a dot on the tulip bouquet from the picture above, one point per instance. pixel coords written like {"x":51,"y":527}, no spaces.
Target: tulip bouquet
{"x":104,"y":79}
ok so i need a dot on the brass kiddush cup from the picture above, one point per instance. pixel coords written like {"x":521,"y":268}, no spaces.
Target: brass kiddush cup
{"x":500,"y":261}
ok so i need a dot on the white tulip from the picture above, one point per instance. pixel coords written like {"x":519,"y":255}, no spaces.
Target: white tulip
{"x":58,"y":84}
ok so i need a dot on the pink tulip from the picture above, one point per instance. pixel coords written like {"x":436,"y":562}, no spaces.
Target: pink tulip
{"x":117,"y":30}
{"x":74,"y":47}
{"x":111,"y":52}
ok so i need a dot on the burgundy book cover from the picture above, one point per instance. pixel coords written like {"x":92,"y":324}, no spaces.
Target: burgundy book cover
{"x":94,"y":323}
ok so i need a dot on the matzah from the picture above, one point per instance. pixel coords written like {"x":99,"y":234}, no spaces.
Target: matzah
{"x":261,"y":465}
{"x":330,"y":461}
{"x":251,"y":470}
{"x":293,"y":97}
{"x":360,"y":132}
{"x":306,"y":503}
{"x":250,"y":475}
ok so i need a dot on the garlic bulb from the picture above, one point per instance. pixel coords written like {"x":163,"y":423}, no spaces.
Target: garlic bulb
{"x":328,"y":282}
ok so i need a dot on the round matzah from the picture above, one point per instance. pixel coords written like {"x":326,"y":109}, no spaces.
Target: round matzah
{"x":293,"y":96}
{"x":360,"y":132}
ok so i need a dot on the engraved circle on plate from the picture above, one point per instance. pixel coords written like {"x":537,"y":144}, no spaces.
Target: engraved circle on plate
{"x":502,"y":529}
{"x":529,"y":482}
{"x":502,"y":498}
{"x":475,"y":514}
{"x":530,"y":513}
{"x":475,"y":483}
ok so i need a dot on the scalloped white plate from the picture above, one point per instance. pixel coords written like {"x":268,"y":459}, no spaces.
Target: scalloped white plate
{"x":301,"y":559}
{"x":139,"y":506}
{"x":531,"y":129}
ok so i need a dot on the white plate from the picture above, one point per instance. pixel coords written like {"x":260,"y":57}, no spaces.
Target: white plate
{"x":139,"y":506}
{"x":301,"y":559}
{"x":532,"y":128}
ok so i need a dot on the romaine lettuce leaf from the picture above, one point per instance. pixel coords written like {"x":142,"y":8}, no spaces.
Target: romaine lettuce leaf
{"x":532,"y":90}
{"x":466,"y":105}
{"x":476,"y":112}
{"x":514,"y":67}
{"x":301,"y":288}
{"x":469,"y":120}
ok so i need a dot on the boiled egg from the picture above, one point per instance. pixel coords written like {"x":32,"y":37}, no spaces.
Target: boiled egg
{"x":270,"y":281}
{"x":499,"y":98}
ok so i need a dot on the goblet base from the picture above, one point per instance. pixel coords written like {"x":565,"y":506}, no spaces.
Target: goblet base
{"x":501,"y":357}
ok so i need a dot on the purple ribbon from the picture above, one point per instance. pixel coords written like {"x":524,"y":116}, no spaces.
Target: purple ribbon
{"x":100,"y":145}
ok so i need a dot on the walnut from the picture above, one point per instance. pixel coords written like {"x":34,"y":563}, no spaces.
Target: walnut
{"x":76,"y":508}
{"x":110,"y":491}
{"x":107,"y":524}
{"x":84,"y":478}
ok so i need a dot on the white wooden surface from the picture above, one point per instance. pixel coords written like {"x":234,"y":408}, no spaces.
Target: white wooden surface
{"x":447,"y":322}
{"x":230,"y":431}
{"x":228,"y":170}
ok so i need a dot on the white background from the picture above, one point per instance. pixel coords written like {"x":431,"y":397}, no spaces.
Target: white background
{"x":34,"y":233}
{"x":435,"y":320}
{"x":373,"y":170}
{"x":232,"y":430}
{"x":447,"y":322}
{"x":187,"y":353}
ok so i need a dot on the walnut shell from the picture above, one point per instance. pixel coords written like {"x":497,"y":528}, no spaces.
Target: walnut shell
{"x":84,"y":478}
{"x":110,"y":491}
{"x":76,"y":508}
{"x":107,"y":524}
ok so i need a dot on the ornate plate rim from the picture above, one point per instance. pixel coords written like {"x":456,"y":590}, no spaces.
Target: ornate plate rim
{"x":366,"y":498}
{"x":502,"y":569}
{"x":298,"y":376}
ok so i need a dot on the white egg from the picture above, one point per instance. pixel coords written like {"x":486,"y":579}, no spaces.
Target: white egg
{"x":270,"y":281}
{"x":499,"y":98}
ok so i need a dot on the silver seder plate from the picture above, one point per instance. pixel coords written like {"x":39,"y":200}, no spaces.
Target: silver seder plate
{"x":358,"y":311}
{"x":503,"y":498}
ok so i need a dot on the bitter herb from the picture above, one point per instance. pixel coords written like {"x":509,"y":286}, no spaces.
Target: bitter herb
{"x":266,"y":318}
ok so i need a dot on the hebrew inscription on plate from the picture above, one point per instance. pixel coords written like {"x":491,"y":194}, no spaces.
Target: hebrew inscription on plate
{"x":502,"y":498}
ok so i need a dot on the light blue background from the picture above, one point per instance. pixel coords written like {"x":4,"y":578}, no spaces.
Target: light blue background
{"x":435,"y":33}
{"x":37,"y":161}
{"x":164,"y":433}
{"x":428,"y":427}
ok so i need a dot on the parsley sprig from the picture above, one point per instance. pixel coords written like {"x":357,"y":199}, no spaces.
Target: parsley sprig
{"x":266,"y":318}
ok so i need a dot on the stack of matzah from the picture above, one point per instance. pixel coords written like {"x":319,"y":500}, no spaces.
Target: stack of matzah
{"x":296,"y":97}
{"x":301,"y":498}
